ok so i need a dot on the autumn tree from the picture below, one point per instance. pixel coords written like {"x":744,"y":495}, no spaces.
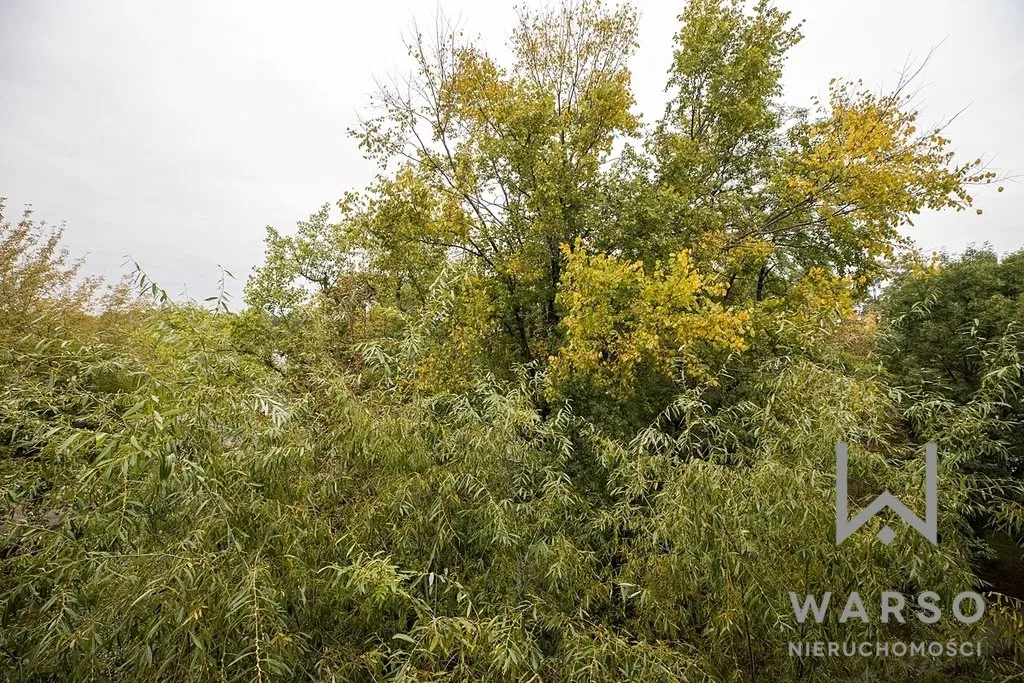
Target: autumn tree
{"x":494,"y":166}
{"x":492,"y":174}
{"x":770,"y":203}
{"x":763,"y":190}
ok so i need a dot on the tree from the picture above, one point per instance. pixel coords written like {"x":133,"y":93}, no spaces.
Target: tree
{"x":760,"y":191}
{"x":634,"y":333}
{"x":952,"y":328}
{"x":496,"y":164}
{"x":38,"y":278}
{"x":490,"y":171}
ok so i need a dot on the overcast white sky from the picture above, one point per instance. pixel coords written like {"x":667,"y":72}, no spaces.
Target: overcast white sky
{"x":174,"y":132}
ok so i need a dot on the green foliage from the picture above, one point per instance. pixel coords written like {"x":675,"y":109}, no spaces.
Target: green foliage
{"x":764,"y":191}
{"x":529,"y":409}
{"x":37,"y":276}
{"x":192,"y":521}
{"x":944,"y":315}
{"x":952,"y":336}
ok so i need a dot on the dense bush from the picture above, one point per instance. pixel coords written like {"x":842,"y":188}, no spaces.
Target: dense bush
{"x":954,"y":329}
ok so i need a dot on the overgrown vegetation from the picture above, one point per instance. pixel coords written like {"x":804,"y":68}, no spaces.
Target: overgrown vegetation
{"x":533,"y":408}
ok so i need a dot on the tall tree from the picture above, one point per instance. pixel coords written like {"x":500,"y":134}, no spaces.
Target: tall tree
{"x":494,"y":166}
{"x":761,"y":191}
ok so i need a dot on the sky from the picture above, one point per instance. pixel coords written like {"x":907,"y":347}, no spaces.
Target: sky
{"x":173,"y":133}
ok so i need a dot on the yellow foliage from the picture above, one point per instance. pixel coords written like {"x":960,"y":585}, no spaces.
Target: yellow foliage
{"x":621,"y":318}
{"x":816,"y":306}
